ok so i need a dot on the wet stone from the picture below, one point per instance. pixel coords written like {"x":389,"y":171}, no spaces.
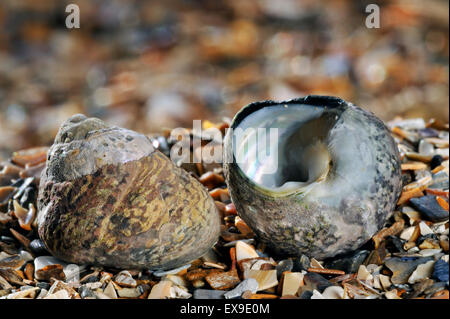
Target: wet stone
{"x":430,"y":208}
{"x":350,"y":263}
{"x":440,"y":272}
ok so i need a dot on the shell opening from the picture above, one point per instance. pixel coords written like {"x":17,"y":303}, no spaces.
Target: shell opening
{"x":284,"y":148}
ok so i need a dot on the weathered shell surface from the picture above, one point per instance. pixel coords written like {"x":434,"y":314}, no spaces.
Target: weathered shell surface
{"x":337,"y":213}
{"x":108,"y":197}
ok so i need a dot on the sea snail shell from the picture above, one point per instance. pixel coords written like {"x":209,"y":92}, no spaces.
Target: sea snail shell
{"x":107,"y":197}
{"x":334,"y":183}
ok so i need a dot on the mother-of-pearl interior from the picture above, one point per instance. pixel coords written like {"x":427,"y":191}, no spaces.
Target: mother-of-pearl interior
{"x":292,"y":156}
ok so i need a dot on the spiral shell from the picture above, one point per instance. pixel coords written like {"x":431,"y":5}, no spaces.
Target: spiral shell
{"x":107,"y":197}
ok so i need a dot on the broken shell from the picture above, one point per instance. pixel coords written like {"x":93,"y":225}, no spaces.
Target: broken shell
{"x":331,"y":180}
{"x":107,"y":197}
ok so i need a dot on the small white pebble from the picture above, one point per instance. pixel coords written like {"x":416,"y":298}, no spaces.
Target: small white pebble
{"x":424,"y":229}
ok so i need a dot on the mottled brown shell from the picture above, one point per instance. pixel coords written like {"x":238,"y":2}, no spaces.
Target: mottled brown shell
{"x":107,"y":197}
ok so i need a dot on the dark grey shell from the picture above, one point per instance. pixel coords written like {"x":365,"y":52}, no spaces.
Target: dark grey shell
{"x":338,"y":213}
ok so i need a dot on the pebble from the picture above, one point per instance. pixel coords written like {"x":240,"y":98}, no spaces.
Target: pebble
{"x":425,"y":229}
{"x":179,"y":293}
{"x":208,"y":294}
{"x":15,"y":262}
{"x":440,"y":271}
{"x":244,"y":251}
{"x":422,"y":271}
{"x":37,"y":247}
{"x":316,"y":295}
{"x":86,"y":292}
{"x":385,"y":281}
{"x":25,"y":255}
{"x":223,"y":280}
{"x":42,"y":294}
{"x":284,"y":265}
{"x":51,"y":271}
{"x":301,"y":263}
{"x":249,"y":284}
{"x":307,"y":294}
{"x":349,"y":263}
{"x":125,"y":279}
{"x":436,"y":160}
{"x":440,"y":180}
{"x":129,"y":292}
{"x":27,"y":293}
{"x":316,"y":264}
{"x":407,"y":233}
{"x":177,"y":280}
{"x":43,"y":285}
{"x":430,"y":208}
{"x":429,"y":252}
{"x":426,"y":148}
{"x":392,"y":294}
{"x":364,"y":274}
{"x":59,"y":285}
{"x":4,"y":284}
{"x":160,"y":291}
{"x":61,"y":294}
{"x":315,"y":281}
{"x":437,"y":286}
{"x":402,"y":268}
{"x":266,"y":278}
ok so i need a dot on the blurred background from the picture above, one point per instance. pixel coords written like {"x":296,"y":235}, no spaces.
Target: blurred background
{"x":150,"y":65}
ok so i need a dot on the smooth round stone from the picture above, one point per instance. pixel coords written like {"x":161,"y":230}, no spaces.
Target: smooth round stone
{"x":426,"y":148}
{"x":430,"y":208}
{"x":37,"y":247}
{"x":436,"y":160}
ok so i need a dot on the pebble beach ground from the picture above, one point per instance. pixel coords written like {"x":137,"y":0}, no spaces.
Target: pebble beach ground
{"x":407,"y":259}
